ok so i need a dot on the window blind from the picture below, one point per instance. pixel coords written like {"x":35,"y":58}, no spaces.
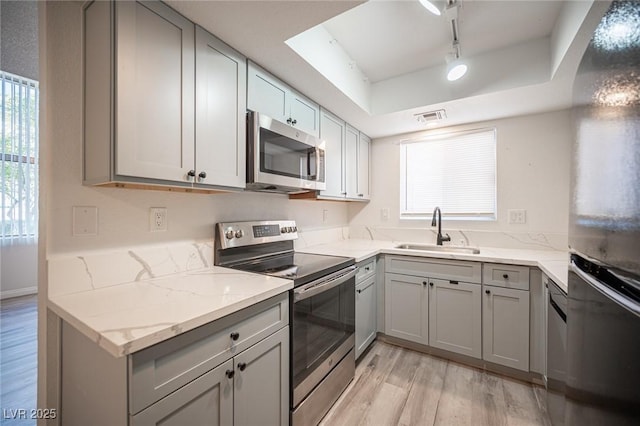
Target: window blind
{"x":19,"y":159}
{"x":456,"y":172}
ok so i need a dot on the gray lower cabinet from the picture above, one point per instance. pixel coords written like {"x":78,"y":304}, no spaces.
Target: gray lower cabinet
{"x":406,"y":307}
{"x":261,"y":382}
{"x":366,"y":314}
{"x":455,"y":318}
{"x":251,"y":388}
{"x":208,"y":400}
{"x":231,"y":371}
{"x":505,"y":319}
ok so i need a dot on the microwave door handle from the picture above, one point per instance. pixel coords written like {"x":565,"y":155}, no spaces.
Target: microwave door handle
{"x":317,"y":175}
{"x":315,"y":150}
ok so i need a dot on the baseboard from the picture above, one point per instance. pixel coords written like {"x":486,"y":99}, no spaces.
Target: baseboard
{"x":6,"y":294}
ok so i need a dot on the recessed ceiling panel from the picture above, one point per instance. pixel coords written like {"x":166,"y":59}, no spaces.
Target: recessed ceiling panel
{"x":390,"y":38}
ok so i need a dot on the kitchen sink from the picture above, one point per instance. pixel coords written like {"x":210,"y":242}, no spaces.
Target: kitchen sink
{"x":443,"y":249}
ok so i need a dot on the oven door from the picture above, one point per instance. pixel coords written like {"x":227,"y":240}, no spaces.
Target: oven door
{"x":282,"y":156}
{"x":323,"y":326}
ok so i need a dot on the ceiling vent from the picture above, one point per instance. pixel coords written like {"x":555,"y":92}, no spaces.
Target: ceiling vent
{"x":431,"y":117}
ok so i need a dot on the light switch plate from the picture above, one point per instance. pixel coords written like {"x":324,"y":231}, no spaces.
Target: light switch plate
{"x":517,"y":216}
{"x":85,"y":220}
{"x":384,"y":214}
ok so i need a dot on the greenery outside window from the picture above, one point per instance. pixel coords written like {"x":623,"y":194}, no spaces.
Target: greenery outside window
{"x":18,"y":159}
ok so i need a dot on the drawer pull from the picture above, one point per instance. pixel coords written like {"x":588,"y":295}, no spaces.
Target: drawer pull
{"x":424,"y":283}
{"x":453,"y":282}
{"x":242,"y":366}
{"x":230,"y":374}
{"x":505,"y":276}
{"x":488,"y":291}
{"x":234,"y":336}
{"x":431,"y":284}
{"x":359,"y":291}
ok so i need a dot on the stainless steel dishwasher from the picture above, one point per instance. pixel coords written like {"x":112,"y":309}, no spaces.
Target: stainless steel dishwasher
{"x":556,"y":353}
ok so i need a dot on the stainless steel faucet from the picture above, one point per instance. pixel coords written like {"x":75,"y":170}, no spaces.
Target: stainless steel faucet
{"x":440,"y":238}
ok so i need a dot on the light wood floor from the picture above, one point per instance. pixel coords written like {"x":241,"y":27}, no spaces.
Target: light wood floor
{"x":18,"y":356}
{"x":397,"y":386}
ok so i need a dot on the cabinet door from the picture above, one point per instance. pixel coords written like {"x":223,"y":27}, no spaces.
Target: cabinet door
{"x":208,"y":400}
{"x":352,"y":137}
{"x":406,"y":308}
{"x":364,"y":165}
{"x":505,"y":326}
{"x":155,"y":92}
{"x":332,"y":132}
{"x":366,"y":302}
{"x":304,"y":114}
{"x":220,"y":113}
{"x":261,"y":383}
{"x":266,"y":95}
{"x":455,"y":317}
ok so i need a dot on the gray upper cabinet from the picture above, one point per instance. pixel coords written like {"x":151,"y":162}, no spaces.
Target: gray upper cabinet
{"x":221,"y":82}
{"x":154,"y":91}
{"x":455,"y":317}
{"x":268,"y":95}
{"x":332,"y":132}
{"x":352,"y":141}
{"x":143,"y":123}
{"x":347,"y":160}
{"x":364,"y":166}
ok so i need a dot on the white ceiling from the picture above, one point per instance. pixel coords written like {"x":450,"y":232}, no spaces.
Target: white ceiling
{"x":397,"y":37}
{"x":522,"y":54}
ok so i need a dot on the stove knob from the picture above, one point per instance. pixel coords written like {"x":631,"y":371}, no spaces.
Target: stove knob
{"x":283,"y":230}
{"x":295,"y":229}
{"x":239,"y":233}
{"x":229,"y":234}
{"x":291,"y":229}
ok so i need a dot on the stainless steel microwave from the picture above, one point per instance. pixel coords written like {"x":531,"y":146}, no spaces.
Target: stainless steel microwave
{"x":281,"y":158}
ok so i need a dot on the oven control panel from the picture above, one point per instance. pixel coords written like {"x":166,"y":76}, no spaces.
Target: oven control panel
{"x":238,"y":234}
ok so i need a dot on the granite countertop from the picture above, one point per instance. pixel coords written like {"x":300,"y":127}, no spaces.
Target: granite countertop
{"x":128,"y":317}
{"x":553,"y":263}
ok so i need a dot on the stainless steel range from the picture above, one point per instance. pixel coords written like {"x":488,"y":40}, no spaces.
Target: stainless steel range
{"x":322,"y":315}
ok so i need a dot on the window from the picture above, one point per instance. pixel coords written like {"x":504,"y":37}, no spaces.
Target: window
{"x":456,"y":172}
{"x":19,"y":158}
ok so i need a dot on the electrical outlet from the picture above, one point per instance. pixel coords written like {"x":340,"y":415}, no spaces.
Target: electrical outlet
{"x":157,"y":219}
{"x":518,"y":216}
{"x":384,"y":214}
{"x":325,"y":215}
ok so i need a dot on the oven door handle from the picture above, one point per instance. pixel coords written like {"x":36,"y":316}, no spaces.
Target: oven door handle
{"x":323,"y":284}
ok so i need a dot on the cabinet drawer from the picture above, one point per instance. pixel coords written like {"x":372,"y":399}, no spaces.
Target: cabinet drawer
{"x":508,"y":276}
{"x":444,"y":269}
{"x":366,"y":269}
{"x":161,"y":369}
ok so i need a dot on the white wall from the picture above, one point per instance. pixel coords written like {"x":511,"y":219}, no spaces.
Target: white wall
{"x":19,"y":55}
{"x":123,"y":214}
{"x":18,"y":271}
{"x":532,"y":172}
